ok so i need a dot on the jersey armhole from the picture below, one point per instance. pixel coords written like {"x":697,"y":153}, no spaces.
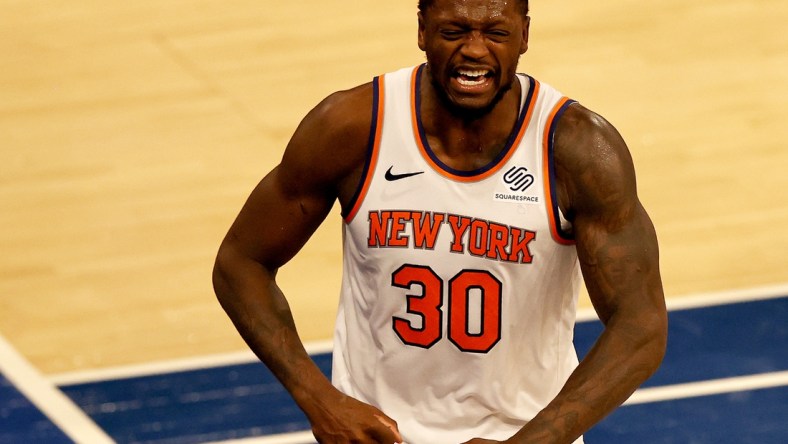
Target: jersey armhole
{"x":559,"y":234}
{"x":373,"y":146}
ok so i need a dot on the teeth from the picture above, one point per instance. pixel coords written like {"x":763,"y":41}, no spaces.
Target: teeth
{"x":468,"y":77}
{"x":468,"y":73}
{"x":471,"y":77}
{"x":468,"y":82}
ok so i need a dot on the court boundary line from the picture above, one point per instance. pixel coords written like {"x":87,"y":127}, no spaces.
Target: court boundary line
{"x":52,"y":402}
{"x":283,"y":438}
{"x":708,"y":388}
{"x":709,"y":299}
{"x":172,"y":366}
{"x":641,"y":396}
{"x":676,"y":303}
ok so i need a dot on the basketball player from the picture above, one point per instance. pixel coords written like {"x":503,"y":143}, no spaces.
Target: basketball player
{"x":472,"y":198}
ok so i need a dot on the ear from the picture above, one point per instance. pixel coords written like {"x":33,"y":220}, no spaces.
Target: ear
{"x":422,"y":44}
{"x":526,"y":27}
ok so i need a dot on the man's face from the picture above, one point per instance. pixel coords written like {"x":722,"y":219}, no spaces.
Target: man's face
{"x":472,"y":49}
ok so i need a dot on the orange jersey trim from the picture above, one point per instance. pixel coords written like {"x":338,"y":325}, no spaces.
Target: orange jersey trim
{"x":494,"y":166}
{"x":548,"y":173}
{"x":378,"y":102}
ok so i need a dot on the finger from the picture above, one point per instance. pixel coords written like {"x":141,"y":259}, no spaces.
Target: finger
{"x":392,"y":426}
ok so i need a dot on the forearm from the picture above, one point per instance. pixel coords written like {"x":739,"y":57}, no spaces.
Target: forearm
{"x":624,"y":356}
{"x":248,"y":293}
{"x":257,"y":307}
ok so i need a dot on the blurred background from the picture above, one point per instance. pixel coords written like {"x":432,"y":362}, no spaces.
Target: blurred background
{"x":132,"y":132}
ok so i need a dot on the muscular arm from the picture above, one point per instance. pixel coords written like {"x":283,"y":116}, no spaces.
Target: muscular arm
{"x":618,"y":253}
{"x":321,"y":163}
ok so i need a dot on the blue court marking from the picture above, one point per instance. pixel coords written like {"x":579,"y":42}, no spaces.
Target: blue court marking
{"x":715,"y":342}
{"x":22,"y":422}
{"x":220,"y":403}
{"x":237,"y":401}
{"x":757,"y":416}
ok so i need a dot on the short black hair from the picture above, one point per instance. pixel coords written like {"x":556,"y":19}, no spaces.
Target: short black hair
{"x":426,"y":4}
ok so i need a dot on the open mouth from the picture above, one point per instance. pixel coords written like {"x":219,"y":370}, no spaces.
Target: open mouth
{"x":472,"y":77}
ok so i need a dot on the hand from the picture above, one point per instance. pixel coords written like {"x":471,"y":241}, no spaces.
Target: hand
{"x":483,"y":441}
{"x":348,"y":420}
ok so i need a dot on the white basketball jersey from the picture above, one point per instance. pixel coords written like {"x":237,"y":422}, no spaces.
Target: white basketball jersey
{"x":459,"y":288}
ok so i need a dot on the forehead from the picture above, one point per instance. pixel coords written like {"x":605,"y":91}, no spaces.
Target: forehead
{"x":474,"y":10}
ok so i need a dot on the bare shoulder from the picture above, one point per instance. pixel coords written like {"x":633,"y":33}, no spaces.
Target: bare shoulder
{"x":330,"y":143}
{"x":615,"y":239}
{"x":593,"y":164}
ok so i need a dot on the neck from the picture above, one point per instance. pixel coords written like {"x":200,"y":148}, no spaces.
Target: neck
{"x":468,"y":139}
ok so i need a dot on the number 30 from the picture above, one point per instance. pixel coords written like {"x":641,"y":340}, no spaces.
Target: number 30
{"x":428,"y":305}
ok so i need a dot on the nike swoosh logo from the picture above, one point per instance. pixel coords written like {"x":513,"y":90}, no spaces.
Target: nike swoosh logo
{"x":392,"y":177}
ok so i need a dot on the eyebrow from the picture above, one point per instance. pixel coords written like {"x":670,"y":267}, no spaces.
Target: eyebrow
{"x":464,"y":23}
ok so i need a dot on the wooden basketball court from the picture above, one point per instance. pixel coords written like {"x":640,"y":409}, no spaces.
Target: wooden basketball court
{"x":132,"y":132}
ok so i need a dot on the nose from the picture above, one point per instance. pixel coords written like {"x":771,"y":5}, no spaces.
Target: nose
{"x":474,"y":47}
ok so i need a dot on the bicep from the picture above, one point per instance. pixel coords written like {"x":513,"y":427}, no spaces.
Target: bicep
{"x":277,"y":219}
{"x":620,"y":263}
{"x":615,"y":238}
{"x":288,"y":205}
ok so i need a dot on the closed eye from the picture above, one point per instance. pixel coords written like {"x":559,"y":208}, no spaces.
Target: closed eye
{"x":452,"y":34}
{"x":498,"y":35}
